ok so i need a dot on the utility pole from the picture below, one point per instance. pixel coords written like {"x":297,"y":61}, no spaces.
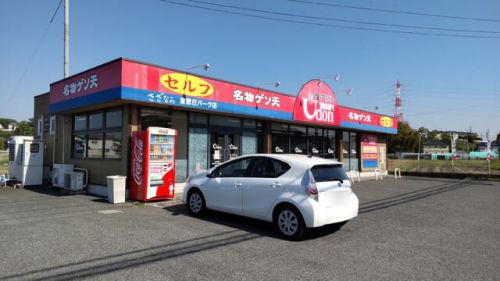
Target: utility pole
{"x":66,"y":38}
{"x":399,"y":113}
{"x":66,"y":74}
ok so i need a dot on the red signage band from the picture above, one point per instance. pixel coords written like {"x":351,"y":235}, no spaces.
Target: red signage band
{"x":156,"y":79}
{"x":315,"y":103}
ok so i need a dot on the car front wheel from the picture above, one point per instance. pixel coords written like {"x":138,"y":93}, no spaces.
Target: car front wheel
{"x":289,"y":223}
{"x":196,"y":203}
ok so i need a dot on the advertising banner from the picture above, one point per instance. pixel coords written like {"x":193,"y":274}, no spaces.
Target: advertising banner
{"x":94,"y":86}
{"x":368,"y":121}
{"x":164,"y":86}
{"x":315,"y":103}
{"x":369,"y":153}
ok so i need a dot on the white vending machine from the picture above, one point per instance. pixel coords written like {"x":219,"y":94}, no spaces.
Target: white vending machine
{"x":26,"y":160}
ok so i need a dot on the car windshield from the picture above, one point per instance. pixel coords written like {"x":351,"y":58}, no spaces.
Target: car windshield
{"x":322,"y":173}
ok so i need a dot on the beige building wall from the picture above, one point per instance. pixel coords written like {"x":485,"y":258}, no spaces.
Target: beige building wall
{"x":41,"y":110}
{"x":62,"y":142}
{"x":436,"y":150}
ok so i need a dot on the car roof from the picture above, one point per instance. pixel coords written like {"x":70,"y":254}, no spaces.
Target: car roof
{"x":310,"y":161}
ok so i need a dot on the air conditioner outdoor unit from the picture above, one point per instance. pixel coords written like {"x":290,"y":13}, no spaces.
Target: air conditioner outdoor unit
{"x":74,"y":180}
{"x":58,"y":174}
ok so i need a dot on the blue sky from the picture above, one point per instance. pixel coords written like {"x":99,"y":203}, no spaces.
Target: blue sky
{"x":448,"y":83}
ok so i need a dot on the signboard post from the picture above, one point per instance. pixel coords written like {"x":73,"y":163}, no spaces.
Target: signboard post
{"x":369,"y":155}
{"x":488,"y":146}
{"x":454,"y":137}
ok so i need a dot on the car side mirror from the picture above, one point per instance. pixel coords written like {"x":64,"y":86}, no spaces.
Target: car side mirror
{"x":213,"y":174}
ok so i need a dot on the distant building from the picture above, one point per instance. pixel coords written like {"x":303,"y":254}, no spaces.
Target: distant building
{"x":461,"y":135}
{"x":8,"y":128}
{"x":436,"y":147}
{"x":483,"y":146}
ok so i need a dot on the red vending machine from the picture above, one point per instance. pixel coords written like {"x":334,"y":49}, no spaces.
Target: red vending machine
{"x":153,"y":164}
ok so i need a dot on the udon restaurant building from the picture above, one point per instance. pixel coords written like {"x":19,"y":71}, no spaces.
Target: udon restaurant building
{"x":89,"y":119}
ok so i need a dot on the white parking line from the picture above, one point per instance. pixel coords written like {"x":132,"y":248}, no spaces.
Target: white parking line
{"x":107,"y":212}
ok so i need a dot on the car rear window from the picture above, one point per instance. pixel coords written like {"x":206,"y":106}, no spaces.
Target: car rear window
{"x":322,"y":173}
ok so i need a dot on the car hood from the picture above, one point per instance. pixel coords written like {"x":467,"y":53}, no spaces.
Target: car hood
{"x":199,"y":178}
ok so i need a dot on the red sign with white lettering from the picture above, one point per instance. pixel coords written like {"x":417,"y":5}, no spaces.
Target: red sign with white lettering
{"x":315,"y":103}
{"x":361,"y":117}
{"x":134,"y":81}
{"x":86,"y":83}
{"x":153,"y":78}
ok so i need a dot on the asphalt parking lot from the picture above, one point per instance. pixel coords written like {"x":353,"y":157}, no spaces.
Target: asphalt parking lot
{"x":409,"y":229}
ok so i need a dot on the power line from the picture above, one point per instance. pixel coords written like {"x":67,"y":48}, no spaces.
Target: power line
{"x":57,"y":9}
{"x":395,"y":11}
{"x":343,"y":20}
{"x":33,"y":55}
{"x":330,"y":25}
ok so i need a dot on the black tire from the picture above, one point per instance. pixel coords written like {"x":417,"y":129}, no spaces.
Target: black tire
{"x":196,"y":203}
{"x":289,"y":223}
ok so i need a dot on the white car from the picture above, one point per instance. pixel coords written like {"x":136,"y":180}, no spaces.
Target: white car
{"x":294,"y":192}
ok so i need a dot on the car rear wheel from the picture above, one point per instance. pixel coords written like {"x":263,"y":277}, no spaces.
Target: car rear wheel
{"x":289,"y":223}
{"x":196,"y":203}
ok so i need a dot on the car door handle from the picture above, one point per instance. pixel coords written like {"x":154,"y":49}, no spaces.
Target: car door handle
{"x":238,"y":184}
{"x":276,"y":184}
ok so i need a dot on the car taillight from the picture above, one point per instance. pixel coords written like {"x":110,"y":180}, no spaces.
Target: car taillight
{"x":312,"y":189}
{"x":310,"y":184}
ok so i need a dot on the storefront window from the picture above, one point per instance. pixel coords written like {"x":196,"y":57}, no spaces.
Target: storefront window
{"x":180,"y":123}
{"x":261,"y":143}
{"x":225,"y":139}
{"x":114,"y":119}
{"x":330,"y":144}
{"x":315,"y":140}
{"x":198,"y":143}
{"x":224,"y":121}
{"x":95,"y":145}
{"x":100,"y":138}
{"x":350,"y":151}
{"x":298,"y":139}
{"x":80,"y":122}
{"x":198,"y":118}
{"x":345,"y":149}
{"x":279,"y":138}
{"x":113,"y":145}
{"x":95,"y":121}
{"x":155,"y":117}
{"x":353,"y":149}
{"x":249,"y":137}
{"x":79,"y":146}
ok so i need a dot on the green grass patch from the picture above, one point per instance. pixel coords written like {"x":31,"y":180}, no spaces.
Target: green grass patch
{"x":4,"y":166}
{"x":443,"y":165}
{"x":138,"y":204}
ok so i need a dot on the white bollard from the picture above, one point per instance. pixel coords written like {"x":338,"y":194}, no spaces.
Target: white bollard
{"x":378,"y":173}
{"x":397,"y":173}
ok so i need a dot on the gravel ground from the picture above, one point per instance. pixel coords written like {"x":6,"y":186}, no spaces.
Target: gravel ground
{"x":409,"y":229}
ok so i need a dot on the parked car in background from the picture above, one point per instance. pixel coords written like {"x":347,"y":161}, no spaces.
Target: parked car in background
{"x":294,"y":192}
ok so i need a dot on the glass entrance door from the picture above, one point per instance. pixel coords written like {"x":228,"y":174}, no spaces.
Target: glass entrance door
{"x":224,"y":147}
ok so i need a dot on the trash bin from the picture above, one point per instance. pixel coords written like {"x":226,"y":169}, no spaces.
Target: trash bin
{"x":116,"y":189}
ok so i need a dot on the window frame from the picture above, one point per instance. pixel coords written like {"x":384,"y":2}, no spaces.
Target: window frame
{"x":251,"y":173}
{"x":216,"y":172}
{"x":102,"y":131}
